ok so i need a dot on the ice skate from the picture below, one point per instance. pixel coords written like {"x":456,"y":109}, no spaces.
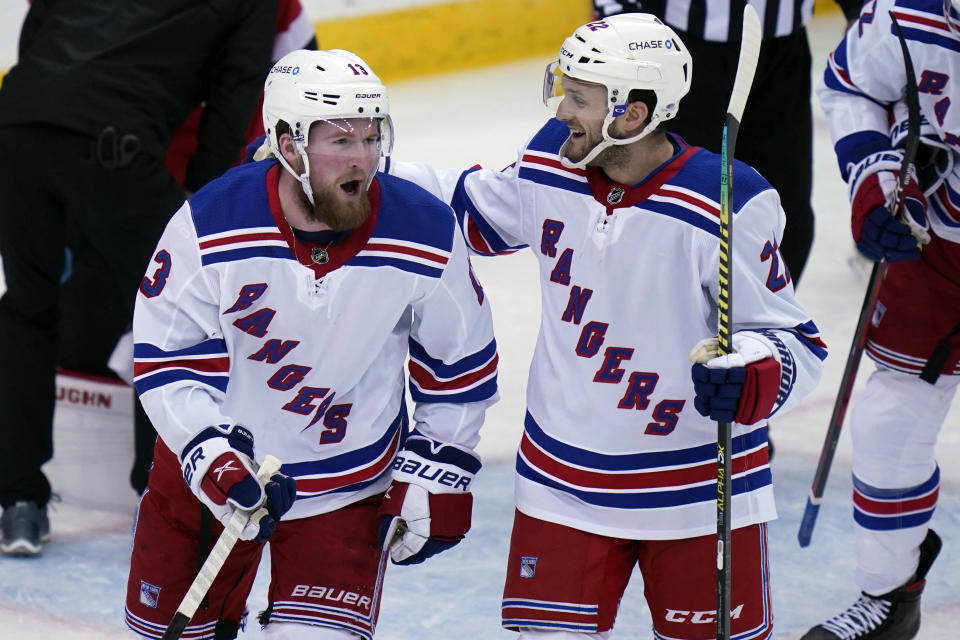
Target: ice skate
{"x":892,"y":616}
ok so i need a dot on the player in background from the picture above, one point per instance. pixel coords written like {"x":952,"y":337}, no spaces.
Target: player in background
{"x":89,"y":334}
{"x":280,"y":308}
{"x":294,"y":30}
{"x":617,"y":464}
{"x":97,"y":91}
{"x":913,"y":333}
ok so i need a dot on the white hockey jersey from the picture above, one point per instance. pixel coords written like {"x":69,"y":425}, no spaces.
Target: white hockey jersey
{"x":233,"y":326}
{"x":629,"y":278}
{"x":863,"y":91}
{"x":863,"y":96}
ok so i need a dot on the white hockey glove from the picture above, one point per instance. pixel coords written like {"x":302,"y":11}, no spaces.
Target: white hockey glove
{"x":427,"y":508}
{"x":739,"y":387}
{"x":218,"y":467}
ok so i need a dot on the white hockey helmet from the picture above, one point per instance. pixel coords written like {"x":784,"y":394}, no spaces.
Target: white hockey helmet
{"x":623,"y":52}
{"x":307,"y":86}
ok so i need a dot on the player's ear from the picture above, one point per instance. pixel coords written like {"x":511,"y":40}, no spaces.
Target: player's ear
{"x":290,"y":152}
{"x":288,"y":148}
{"x":635,"y":118}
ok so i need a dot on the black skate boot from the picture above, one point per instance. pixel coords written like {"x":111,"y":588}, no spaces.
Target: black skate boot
{"x":892,"y":616}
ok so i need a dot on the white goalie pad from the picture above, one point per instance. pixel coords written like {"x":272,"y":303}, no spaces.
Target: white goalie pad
{"x":92,"y":442}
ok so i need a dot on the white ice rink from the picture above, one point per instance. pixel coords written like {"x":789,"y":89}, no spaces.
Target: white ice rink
{"x":75,"y":590}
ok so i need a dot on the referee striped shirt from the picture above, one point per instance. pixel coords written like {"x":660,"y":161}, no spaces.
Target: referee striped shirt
{"x":721,"y":20}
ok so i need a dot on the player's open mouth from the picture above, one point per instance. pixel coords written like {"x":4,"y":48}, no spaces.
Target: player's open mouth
{"x":351,"y":187}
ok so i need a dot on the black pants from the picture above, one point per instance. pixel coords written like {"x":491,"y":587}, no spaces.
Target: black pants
{"x":90,"y":331}
{"x":53,"y":185}
{"x":776,"y":135}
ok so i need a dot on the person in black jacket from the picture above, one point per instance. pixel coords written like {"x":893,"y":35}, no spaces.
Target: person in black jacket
{"x":85,"y":119}
{"x":776,"y":135}
{"x":88,"y":344}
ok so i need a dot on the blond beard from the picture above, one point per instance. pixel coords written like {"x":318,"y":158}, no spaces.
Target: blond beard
{"x":329,"y":209}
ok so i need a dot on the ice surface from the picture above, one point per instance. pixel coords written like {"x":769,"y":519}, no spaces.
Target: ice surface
{"x":76,"y":589}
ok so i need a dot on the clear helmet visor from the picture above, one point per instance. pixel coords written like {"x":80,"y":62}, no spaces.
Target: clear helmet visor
{"x":552,"y":87}
{"x":553,"y":92}
{"x":347,"y":149}
{"x":366,"y":139}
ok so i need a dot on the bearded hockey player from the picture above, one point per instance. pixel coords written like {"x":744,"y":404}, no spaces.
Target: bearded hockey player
{"x":281,"y":306}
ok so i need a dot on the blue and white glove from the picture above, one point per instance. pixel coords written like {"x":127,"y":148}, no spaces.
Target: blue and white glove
{"x":739,"y":387}
{"x":218,"y":467}
{"x":427,"y":508}
{"x":879,"y":236}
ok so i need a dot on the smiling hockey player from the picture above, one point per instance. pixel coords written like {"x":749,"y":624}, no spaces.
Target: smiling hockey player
{"x":617,"y":465}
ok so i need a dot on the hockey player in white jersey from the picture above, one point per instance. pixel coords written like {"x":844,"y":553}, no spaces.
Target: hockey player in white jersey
{"x":617,"y":465}
{"x":913,"y":333}
{"x":282,"y":304}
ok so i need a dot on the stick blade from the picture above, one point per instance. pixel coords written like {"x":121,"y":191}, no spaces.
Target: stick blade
{"x":806,"y":523}
{"x":747,"y":65}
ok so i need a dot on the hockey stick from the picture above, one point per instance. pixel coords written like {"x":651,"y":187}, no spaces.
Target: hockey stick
{"x":218,"y":555}
{"x":746,"y":67}
{"x":866,"y":310}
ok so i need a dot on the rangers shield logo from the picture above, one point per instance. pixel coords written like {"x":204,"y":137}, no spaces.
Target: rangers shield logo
{"x":149,"y":594}
{"x":528,"y":566}
{"x":878,"y":312}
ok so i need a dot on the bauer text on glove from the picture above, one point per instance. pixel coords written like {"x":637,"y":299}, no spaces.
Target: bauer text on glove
{"x":427,"y":508}
{"x":218,"y":467}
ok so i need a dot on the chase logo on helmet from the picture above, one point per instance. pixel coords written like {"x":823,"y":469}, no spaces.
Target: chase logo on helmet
{"x":285,"y":69}
{"x":650,"y":44}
